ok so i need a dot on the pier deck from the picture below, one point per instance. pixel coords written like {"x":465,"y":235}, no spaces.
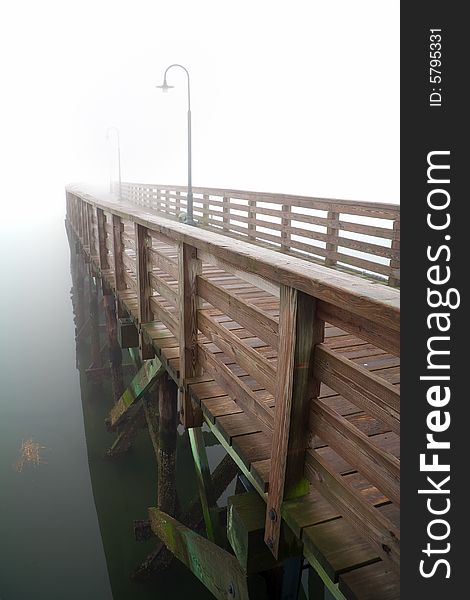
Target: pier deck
{"x":293,"y":366}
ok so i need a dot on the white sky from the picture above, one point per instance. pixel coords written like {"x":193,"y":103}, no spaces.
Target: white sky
{"x":296,"y":97}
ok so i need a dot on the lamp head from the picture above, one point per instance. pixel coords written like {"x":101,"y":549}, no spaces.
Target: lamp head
{"x":165,"y":87}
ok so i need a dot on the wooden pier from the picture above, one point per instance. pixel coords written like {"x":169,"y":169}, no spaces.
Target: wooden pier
{"x":277,"y":319}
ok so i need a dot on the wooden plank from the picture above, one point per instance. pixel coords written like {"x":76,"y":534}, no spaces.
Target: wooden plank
{"x":159,"y":260}
{"x":337,"y":547}
{"x":252,"y":361}
{"x":259,"y":282}
{"x":382,"y":534}
{"x":364,"y":328}
{"x":363,"y":388}
{"x":162,"y":287}
{"x":296,"y":384}
{"x":162,"y":314}
{"x":236,"y":388}
{"x":129,"y":262}
{"x":145,"y":378}
{"x":381,"y":468}
{"x":189,"y":269}
{"x":144,"y":291}
{"x":242,"y":312}
{"x":371,"y":582}
{"x":218,"y":570}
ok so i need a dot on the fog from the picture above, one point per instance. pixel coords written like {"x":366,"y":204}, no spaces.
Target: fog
{"x":299,"y":97}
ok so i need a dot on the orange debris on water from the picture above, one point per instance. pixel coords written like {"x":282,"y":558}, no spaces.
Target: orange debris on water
{"x":29,"y":453}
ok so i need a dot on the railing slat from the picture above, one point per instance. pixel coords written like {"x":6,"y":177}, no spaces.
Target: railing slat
{"x":241,"y":311}
{"x":363,"y":388}
{"x":369,"y":522}
{"x":249,"y":359}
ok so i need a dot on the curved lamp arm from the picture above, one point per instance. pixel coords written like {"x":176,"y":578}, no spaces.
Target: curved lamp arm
{"x":165,"y":87}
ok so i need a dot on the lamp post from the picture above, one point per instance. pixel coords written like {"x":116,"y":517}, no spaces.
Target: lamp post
{"x":116,"y":130}
{"x":165,"y":87}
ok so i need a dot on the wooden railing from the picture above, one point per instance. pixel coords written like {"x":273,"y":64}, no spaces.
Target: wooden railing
{"x":356,"y":236}
{"x":163,"y":264}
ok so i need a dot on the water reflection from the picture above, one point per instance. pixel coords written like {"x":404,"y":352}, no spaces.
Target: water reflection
{"x":123,"y":467}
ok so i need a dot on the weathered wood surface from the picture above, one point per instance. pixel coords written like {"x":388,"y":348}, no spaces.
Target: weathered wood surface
{"x":145,"y":378}
{"x":218,"y":570}
{"x":296,"y":386}
{"x":236,"y":343}
{"x":204,"y":482}
{"x":377,"y":303}
{"x":189,"y":268}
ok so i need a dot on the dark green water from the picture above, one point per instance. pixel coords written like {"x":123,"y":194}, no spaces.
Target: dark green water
{"x":66,"y":525}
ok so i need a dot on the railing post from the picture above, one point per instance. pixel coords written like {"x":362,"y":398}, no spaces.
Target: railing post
{"x":252,"y":219}
{"x":189,"y":267}
{"x":142,"y":244}
{"x":118,"y":228}
{"x":332,"y":247}
{"x":159,"y":200}
{"x":226,"y":213}
{"x":296,"y":385}
{"x":167,"y":200}
{"x":395,"y":263}
{"x":178,"y":204}
{"x":102,"y":235}
{"x":286,"y":225}
{"x":205,"y":209}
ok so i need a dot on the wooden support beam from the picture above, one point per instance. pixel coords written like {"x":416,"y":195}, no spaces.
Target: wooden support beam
{"x":114,"y":349}
{"x":126,"y":435}
{"x":223,"y":474}
{"x":102,"y":235}
{"x":118,"y":249}
{"x":86,"y":231}
{"x":245,"y":531}
{"x":91,"y":227}
{"x":127,"y":333}
{"x":218,"y":570}
{"x":204,"y":482}
{"x":299,"y":331}
{"x":189,"y":267}
{"x":145,"y":378}
{"x":167,"y":434}
{"x":95,"y":343}
{"x":144,"y":291}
